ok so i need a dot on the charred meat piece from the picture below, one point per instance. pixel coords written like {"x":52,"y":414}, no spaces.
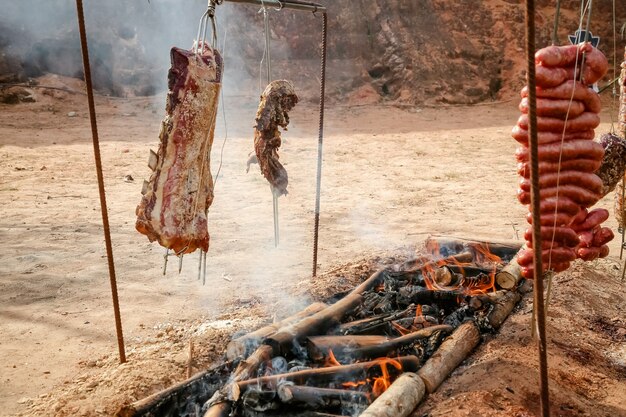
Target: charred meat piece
{"x":277,"y":100}
{"x":173,"y":209}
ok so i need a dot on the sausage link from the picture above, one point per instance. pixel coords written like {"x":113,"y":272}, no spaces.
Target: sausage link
{"x":565,"y":236}
{"x":578,"y":194}
{"x":554,"y":255}
{"x":588,"y":254}
{"x":555,"y":108}
{"x":574,"y":149}
{"x":570,"y":90}
{"x":586,"y":121}
{"x":585,"y":180}
{"x":593,"y":219}
{"x":562,"y":56}
{"x":582,"y":165}
{"x":596,"y":66}
{"x":550,"y":219}
{"x":561,"y":205}
{"x":602,"y":237}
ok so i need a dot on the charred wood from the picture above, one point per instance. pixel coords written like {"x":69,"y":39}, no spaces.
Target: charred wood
{"x":400,"y":399}
{"x":373,"y":324}
{"x":459,"y":316}
{"x":393,"y":346}
{"x":243,"y":346}
{"x":331,"y":374}
{"x":319,"y":398}
{"x":282,"y":342}
{"x":319,"y":347}
{"x":471,"y":270}
{"x":436,"y":297}
{"x":192,"y":391}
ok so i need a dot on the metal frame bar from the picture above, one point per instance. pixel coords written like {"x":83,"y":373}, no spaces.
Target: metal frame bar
{"x":287,"y":4}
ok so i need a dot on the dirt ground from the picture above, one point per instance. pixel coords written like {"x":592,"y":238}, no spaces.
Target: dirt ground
{"x":391,"y":177}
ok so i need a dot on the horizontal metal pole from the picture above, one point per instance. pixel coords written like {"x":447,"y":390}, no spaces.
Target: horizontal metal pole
{"x":304,"y":6}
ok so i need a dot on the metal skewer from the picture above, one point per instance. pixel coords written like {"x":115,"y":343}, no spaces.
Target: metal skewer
{"x":268,"y":63}
{"x":167,"y":254}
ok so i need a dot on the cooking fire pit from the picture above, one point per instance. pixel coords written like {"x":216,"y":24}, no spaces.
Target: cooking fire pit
{"x":376,"y":351}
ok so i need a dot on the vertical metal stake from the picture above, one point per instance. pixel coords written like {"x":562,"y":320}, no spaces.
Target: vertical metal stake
{"x":544,"y":400}
{"x":320,"y":143}
{"x":103,"y":203}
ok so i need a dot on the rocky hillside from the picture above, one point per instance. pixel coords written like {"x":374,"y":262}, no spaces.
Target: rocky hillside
{"x":427,"y":51}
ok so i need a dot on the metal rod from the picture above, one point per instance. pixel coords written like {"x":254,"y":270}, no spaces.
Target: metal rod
{"x":200,"y":266}
{"x":103,"y":204}
{"x":544,"y":399}
{"x":268,"y":68}
{"x":203,"y":267}
{"x":165,"y":258}
{"x":294,"y":5}
{"x":276,"y":220}
{"x":320,"y":143}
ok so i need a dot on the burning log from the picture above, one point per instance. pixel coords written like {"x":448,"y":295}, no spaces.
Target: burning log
{"x":511,"y":274}
{"x":368,"y":347}
{"x":372,"y":324}
{"x":243,"y":346}
{"x":444,"y":245}
{"x":471,"y":270}
{"x":400,"y":399}
{"x":392,"y":346}
{"x":282,"y":342}
{"x":317,"y":398}
{"x":320,"y":376}
{"x":435,"y":297}
{"x":449,"y":355}
{"x":319,"y":347}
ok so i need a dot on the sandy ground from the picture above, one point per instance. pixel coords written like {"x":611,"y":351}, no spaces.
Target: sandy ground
{"x":390,"y":177}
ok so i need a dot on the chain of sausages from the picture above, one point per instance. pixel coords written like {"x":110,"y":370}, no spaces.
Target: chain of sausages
{"x":567,"y":114}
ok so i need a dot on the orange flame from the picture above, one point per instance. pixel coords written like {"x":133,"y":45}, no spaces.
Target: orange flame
{"x":331,"y":360}
{"x":400,"y":329}
{"x":351,"y":384}
{"x":483,"y":255}
{"x":383,"y":382}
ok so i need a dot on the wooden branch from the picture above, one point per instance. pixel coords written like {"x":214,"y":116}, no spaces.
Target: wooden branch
{"x":511,"y":274}
{"x":371,"y":324}
{"x":391,"y":347}
{"x":502,"y":248}
{"x":282,"y":342}
{"x":343,"y":373}
{"x":243,"y":346}
{"x":319,"y":347}
{"x":316,"y":398}
{"x":400,"y":399}
{"x":196,"y":389}
{"x":449,"y":355}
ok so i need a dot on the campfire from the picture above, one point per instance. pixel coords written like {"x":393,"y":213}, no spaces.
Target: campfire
{"x":404,"y":328}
